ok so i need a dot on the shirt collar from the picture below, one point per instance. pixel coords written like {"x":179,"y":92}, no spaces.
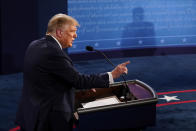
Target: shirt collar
{"x":56,"y":41}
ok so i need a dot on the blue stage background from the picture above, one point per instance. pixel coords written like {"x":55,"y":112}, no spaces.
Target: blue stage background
{"x":116,"y":24}
{"x":110,"y":24}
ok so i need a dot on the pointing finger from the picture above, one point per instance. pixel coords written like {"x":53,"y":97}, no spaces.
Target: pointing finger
{"x":125,"y":63}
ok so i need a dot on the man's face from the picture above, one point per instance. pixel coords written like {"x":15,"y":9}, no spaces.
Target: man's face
{"x":67,"y":35}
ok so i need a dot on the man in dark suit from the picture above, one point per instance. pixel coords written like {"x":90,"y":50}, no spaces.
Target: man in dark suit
{"x":47,"y":102}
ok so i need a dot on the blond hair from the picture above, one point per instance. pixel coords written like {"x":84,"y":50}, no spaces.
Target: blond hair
{"x":59,"y":20}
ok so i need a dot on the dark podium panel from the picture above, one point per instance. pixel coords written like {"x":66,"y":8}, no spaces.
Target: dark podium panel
{"x":137,"y":113}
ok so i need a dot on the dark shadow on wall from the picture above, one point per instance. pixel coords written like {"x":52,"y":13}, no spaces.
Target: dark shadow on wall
{"x":139,"y":33}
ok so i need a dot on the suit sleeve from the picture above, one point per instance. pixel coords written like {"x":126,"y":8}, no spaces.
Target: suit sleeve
{"x":62,"y":69}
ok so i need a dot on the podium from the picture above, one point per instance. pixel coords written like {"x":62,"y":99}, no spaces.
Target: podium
{"x":107,"y":109}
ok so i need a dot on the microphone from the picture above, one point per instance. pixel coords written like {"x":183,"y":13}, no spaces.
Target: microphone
{"x":90,"y":48}
{"x":132,"y":97}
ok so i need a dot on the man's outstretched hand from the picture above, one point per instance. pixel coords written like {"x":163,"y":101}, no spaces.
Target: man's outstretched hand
{"x":120,"y":69}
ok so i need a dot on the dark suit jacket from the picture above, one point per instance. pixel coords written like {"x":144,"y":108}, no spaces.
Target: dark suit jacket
{"x":49,"y":83}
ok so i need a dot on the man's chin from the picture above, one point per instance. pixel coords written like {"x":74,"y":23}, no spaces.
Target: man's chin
{"x":70,"y":45}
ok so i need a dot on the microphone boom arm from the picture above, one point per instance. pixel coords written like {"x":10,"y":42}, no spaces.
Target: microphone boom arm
{"x":132,"y":97}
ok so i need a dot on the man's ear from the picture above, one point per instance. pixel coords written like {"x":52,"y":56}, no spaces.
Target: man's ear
{"x":58,"y":33}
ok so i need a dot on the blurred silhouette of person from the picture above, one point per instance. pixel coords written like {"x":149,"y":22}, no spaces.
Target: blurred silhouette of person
{"x":139,"y":32}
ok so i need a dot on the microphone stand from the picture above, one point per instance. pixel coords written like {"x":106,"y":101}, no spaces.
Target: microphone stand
{"x":132,"y":97}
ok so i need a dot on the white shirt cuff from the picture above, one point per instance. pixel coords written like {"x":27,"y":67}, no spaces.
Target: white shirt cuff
{"x":111,"y":80}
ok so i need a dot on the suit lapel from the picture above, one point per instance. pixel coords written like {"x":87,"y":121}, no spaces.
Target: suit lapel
{"x":68,"y":58}
{"x":52,"y":40}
